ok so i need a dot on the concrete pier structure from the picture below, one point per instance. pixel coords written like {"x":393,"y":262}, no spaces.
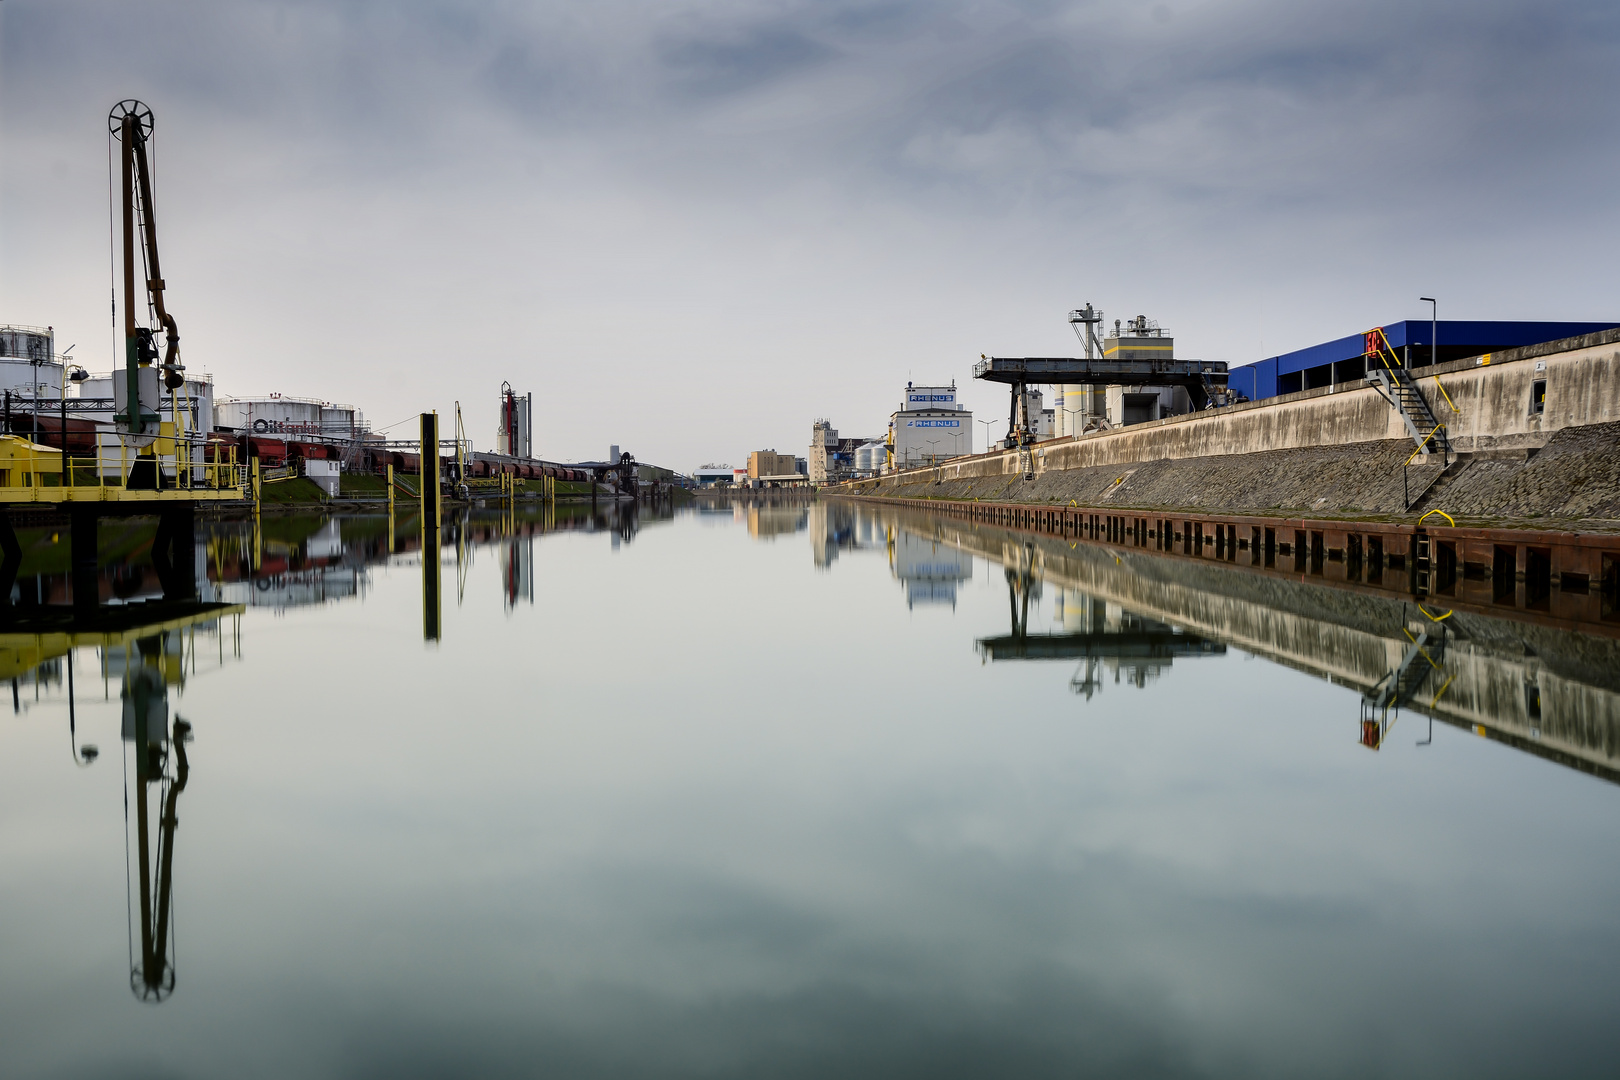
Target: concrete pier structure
{"x":1344,"y":449}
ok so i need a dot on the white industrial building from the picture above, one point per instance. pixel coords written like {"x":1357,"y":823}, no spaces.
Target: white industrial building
{"x":711,"y":474}
{"x":1081,"y":409}
{"x":1142,"y":339}
{"x":930,"y":426}
{"x":833,"y":458}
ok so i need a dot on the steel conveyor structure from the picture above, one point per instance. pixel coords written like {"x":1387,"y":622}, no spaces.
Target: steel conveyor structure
{"x":1198,"y":376}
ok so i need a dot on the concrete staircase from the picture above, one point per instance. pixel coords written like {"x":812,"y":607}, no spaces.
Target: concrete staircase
{"x":1425,"y":499}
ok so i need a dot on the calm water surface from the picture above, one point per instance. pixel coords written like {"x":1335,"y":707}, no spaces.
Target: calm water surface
{"x":780,"y":790}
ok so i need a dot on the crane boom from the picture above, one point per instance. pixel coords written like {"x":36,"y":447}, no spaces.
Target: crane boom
{"x":130,"y":123}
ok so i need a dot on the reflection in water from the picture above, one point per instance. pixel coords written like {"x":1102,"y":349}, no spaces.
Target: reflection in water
{"x":1422,"y":665}
{"x":290,"y":561}
{"x":1548,"y":691}
{"x":731,"y":858}
{"x":1103,"y":637}
{"x":148,"y":648}
{"x":767,"y":518}
{"x":927,"y":569}
{"x":157,"y":759}
{"x":517,"y":570}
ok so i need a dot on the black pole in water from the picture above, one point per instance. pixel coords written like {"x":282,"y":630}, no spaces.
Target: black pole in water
{"x":430,"y":527}
{"x":82,"y":527}
{"x":11,"y":563}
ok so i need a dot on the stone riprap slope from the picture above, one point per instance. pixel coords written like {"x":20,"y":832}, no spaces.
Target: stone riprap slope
{"x":1574,"y":479}
{"x":1364,"y":478}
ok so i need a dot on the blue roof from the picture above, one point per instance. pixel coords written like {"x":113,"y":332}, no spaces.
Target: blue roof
{"x":1259,"y":379}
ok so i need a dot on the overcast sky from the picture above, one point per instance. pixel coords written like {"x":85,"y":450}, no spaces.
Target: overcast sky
{"x":691,"y":228}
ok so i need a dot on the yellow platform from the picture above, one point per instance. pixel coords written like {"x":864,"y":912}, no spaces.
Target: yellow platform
{"x":25,"y":467}
{"x":86,"y":493}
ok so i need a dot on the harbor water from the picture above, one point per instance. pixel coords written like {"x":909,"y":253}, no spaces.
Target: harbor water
{"x":779,"y":788}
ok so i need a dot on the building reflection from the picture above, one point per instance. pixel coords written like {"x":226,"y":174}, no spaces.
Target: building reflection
{"x":1125,"y":616}
{"x":835,"y":526}
{"x":927,"y":568}
{"x":767,"y":517}
{"x":283,"y":562}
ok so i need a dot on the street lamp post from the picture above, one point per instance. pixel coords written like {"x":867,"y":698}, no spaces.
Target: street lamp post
{"x":987,"y":424}
{"x":78,"y":376}
{"x":1434,"y":328}
{"x":933,"y":453}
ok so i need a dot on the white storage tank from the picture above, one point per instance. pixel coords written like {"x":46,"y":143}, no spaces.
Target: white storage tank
{"x":337,"y":420}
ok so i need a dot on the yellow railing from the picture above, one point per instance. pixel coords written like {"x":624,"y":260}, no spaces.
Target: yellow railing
{"x":1447,"y":396}
{"x":183,"y":470}
{"x":1377,"y":344}
{"x":1425,"y":442}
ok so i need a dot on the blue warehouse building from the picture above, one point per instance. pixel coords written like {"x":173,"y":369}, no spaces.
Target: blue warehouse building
{"x":1341,"y":360}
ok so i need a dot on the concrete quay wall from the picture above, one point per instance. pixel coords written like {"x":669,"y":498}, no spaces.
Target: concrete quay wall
{"x":1491,"y":395}
{"x":1341,"y":450}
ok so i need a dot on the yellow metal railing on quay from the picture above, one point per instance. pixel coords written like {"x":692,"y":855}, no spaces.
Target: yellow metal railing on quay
{"x":34,"y":472}
{"x":182,"y":472}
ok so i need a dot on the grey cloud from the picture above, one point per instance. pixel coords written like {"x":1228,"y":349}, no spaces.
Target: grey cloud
{"x":711,"y":67}
{"x":1246,"y":136}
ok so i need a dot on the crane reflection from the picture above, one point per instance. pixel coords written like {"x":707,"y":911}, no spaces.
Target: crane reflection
{"x":148,"y":648}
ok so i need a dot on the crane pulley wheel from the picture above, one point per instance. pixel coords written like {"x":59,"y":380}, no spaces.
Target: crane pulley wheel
{"x":127,"y":107}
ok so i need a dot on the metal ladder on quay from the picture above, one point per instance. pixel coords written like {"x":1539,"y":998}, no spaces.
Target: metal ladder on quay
{"x":1385,"y":369}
